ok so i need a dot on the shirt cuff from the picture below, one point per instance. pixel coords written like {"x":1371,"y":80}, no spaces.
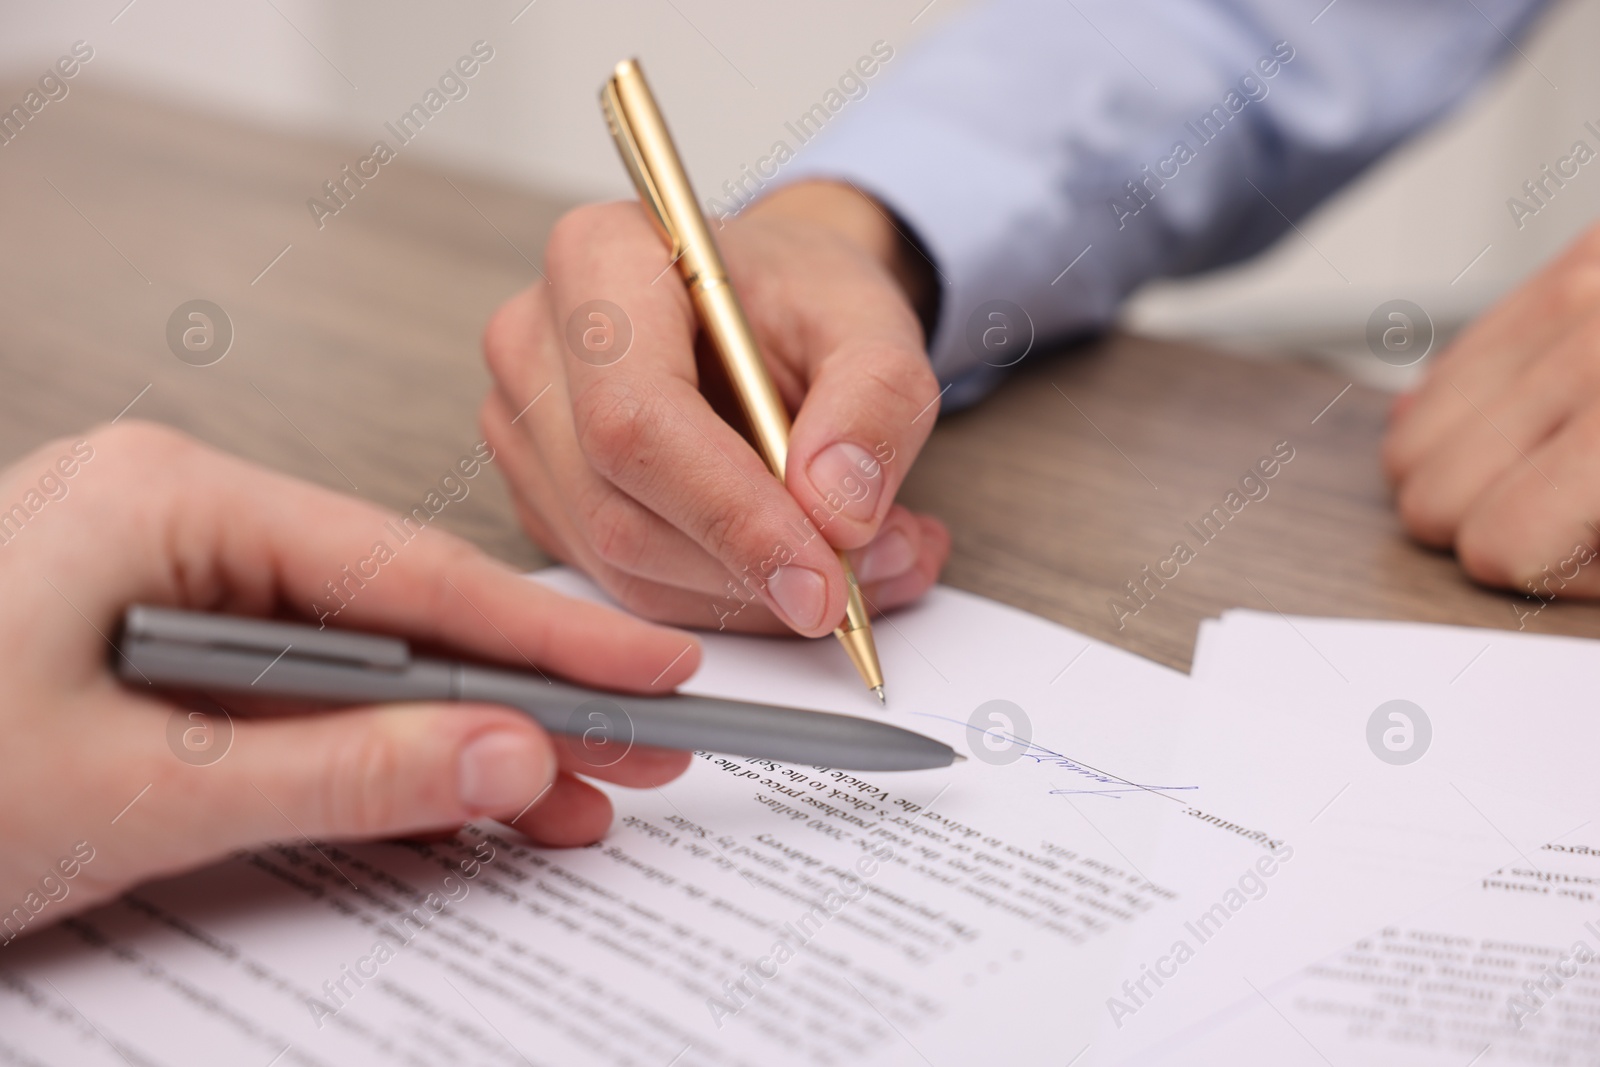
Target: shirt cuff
{"x":986,"y":254}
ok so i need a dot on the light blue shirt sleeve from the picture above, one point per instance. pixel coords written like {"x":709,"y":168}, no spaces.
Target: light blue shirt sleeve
{"x":1053,"y":155}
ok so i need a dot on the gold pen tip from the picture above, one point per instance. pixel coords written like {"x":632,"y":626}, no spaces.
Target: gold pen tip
{"x":878,"y":689}
{"x":956,"y":757}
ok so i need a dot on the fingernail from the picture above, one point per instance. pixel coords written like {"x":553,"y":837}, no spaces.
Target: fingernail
{"x":502,"y":771}
{"x":886,"y":557}
{"x":800,"y":594}
{"x":849,"y":479}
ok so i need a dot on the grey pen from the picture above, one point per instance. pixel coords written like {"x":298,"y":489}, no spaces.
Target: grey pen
{"x":204,"y":652}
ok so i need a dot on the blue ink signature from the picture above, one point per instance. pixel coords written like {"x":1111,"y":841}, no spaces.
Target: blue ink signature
{"x":1048,"y":757}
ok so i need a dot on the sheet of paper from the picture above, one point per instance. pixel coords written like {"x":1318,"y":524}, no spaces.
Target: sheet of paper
{"x":1496,"y":703}
{"x":1370,"y":846}
{"x":997,"y":911}
{"x":1499,"y":972}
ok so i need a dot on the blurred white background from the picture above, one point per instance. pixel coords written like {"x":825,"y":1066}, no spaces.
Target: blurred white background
{"x":735,"y":72}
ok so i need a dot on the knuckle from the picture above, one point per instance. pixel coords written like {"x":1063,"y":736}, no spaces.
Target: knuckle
{"x":1579,"y":438}
{"x":439,"y":597}
{"x":160,"y":457}
{"x":1423,"y":515}
{"x":635,"y":595}
{"x":507,"y":339}
{"x":1398,"y":454}
{"x":616,"y":535}
{"x":901,"y":373}
{"x":570,"y":233}
{"x":1574,"y":289}
{"x":1586,"y":433}
{"x":491,"y":413}
{"x":576,"y":233}
{"x":1481,"y":552}
{"x":614,"y":421}
{"x":1587,"y":246}
{"x":150,"y":440}
{"x":359,"y":791}
{"x":921,"y":383}
{"x":454,"y":552}
{"x":499,"y":337}
{"x":729,"y":533}
{"x":1580,"y":362}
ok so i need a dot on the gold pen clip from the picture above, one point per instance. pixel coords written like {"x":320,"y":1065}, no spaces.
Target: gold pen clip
{"x":628,"y":146}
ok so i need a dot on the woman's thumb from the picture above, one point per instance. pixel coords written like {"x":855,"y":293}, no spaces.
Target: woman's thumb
{"x":370,"y":773}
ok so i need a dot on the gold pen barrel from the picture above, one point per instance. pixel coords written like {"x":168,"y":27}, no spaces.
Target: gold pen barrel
{"x":720,"y":310}
{"x":730,"y":332}
{"x":657,"y":169}
{"x":652,"y":160}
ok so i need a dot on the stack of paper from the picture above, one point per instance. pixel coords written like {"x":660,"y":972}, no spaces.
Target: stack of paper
{"x":1499,"y":971}
{"x":1131,"y":864}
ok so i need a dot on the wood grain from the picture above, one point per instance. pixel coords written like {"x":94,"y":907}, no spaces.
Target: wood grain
{"x":356,"y":365}
{"x":1086,"y":468}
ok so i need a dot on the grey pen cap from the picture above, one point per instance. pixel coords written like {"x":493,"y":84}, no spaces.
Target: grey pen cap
{"x":143,"y":622}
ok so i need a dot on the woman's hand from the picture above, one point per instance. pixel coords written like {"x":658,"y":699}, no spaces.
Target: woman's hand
{"x":96,"y":780}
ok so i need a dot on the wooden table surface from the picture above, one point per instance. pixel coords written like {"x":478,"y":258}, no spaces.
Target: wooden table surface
{"x":356,"y":364}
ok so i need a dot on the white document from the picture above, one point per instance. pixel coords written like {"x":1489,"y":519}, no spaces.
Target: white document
{"x":1020,"y":908}
{"x":1501,"y":971}
{"x":1497,"y":702}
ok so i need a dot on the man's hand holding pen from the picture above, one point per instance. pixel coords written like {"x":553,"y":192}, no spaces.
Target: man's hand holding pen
{"x":628,"y":472}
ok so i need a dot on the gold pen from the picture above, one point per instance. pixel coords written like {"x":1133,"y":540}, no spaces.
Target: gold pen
{"x":647,"y":151}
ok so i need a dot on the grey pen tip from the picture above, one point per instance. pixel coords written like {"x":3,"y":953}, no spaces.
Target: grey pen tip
{"x":956,"y":757}
{"x":878,"y":689}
